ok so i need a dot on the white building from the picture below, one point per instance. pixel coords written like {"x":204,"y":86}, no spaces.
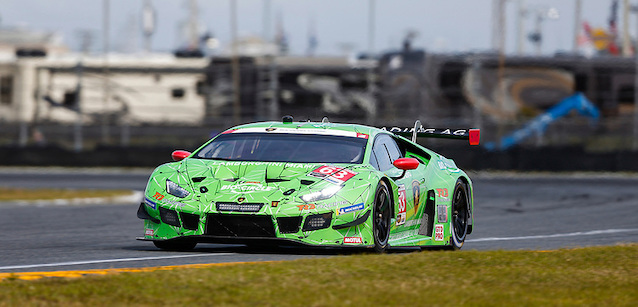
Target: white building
{"x":132,"y":89}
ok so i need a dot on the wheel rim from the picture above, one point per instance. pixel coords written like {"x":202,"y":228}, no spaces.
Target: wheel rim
{"x":459,"y":217}
{"x":382,"y":217}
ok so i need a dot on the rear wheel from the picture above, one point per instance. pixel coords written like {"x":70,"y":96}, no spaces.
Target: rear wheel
{"x":460,"y":214}
{"x":381,"y":217}
{"x":175,"y":245}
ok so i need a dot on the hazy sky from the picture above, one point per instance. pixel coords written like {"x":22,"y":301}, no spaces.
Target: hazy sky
{"x":443,"y":25}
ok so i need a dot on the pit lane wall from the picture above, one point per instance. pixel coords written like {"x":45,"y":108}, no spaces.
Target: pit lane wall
{"x":550,"y":159}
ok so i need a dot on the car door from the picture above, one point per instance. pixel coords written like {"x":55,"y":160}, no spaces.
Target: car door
{"x":384,"y":152}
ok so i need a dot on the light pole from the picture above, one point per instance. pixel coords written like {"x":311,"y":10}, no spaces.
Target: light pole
{"x":634,"y":9}
{"x":370,"y":73}
{"x":537,"y":36}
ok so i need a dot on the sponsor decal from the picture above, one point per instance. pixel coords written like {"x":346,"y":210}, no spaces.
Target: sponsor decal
{"x":257,"y":163}
{"x":457,"y":132}
{"x":438,"y":232}
{"x":319,"y":131}
{"x":402,"y":206}
{"x":403,"y":234}
{"x":349,"y":209}
{"x":332,"y":205}
{"x":150,"y":203}
{"x":158,"y":196}
{"x":333,"y":174}
{"x":241,"y":199}
{"x":174,"y":203}
{"x":412,"y":223}
{"x":149,"y":232}
{"x":442,"y":213}
{"x":306,"y":206}
{"x":246,"y":187}
{"x":416,"y":194}
{"x":274,"y":204}
{"x":362,"y":136}
{"x":352,"y":240}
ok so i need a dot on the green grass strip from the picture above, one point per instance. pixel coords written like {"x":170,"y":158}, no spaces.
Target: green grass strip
{"x":605,"y":276}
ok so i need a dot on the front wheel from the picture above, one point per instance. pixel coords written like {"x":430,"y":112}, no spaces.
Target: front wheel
{"x":460,"y":214}
{"x":381,"y":214}
{"x":175,"y":245}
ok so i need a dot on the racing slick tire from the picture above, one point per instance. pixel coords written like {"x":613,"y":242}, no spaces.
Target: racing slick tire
{"x":381,"y":215}
{"x":175,"y":245}
{"x":460,"y":215}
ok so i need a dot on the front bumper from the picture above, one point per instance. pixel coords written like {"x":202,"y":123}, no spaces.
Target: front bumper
{"x":310,"y":229}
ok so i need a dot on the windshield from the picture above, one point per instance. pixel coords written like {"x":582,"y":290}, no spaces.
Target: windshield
{"x":280,"y":147}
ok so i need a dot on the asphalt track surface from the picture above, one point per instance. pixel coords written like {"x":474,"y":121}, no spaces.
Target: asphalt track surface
{"x":512,"y":211}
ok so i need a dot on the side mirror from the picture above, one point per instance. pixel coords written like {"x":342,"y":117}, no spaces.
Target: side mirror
{"x":406,"y":164}
{"x":180,"y":155}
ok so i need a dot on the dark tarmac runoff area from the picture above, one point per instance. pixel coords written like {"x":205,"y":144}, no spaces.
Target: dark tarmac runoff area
{"x":531,"y":211}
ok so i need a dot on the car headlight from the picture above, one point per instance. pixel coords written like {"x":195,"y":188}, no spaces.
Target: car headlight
{"x":175,"y":190}
{"x":320,"y":195}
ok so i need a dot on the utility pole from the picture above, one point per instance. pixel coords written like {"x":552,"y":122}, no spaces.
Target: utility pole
{"x":105,"y":70}
{"x":235,"y":64}
{"x":148,"y":24}
{"x":626,"y":41}
{"x":77,"y":128}
{"x":370,"y":72}
{"x":193,"y":39}
{"x":634,"y":9}
{"x":578,"y":12}
{"x":520,"y":28}
{"x":266,"y":22}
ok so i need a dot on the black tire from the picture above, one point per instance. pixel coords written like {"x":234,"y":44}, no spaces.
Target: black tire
{"x":175,"y":245}
{"x":381,"y":217}
{"x":459,"y":224}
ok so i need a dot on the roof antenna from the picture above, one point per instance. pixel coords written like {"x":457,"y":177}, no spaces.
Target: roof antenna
{"x":325,"y":120}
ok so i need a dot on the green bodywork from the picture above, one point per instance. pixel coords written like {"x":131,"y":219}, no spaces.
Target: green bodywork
{"x":427,"y":192}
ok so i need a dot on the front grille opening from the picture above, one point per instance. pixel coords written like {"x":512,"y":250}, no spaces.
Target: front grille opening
{"x":289,"y":224}
{"x":189,"y":220}
{"x":317,"y":221}
{"x":169,"y":216}
{"x":240,"y":225}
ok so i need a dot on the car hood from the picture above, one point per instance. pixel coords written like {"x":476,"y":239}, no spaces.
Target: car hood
{"x":214,"y":181}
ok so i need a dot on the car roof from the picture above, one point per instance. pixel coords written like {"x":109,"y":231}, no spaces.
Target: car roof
{"x":318,"y":128}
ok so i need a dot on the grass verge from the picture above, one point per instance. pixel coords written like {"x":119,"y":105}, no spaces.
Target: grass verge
{"x":585,"y":276}
{"x":11,"y":194}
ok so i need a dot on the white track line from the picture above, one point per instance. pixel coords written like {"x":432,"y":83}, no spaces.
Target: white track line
{"x":107,"y":261}
{"x":558,"y":235}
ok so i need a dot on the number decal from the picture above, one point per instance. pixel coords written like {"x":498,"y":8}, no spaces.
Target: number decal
{"x":158,"y":196}
{"x":402,"y":215}
{"x":306,"y":207}
{"x":442,"y":192}
{"x":333,"y":174}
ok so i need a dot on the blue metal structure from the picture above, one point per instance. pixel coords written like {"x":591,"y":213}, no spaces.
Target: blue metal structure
{"x":539,"y":124}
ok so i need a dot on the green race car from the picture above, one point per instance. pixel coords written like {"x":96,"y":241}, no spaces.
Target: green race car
{"x":311,"y":183}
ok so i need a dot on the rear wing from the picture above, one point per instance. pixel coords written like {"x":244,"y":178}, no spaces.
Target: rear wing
{"x":472,"y":135}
